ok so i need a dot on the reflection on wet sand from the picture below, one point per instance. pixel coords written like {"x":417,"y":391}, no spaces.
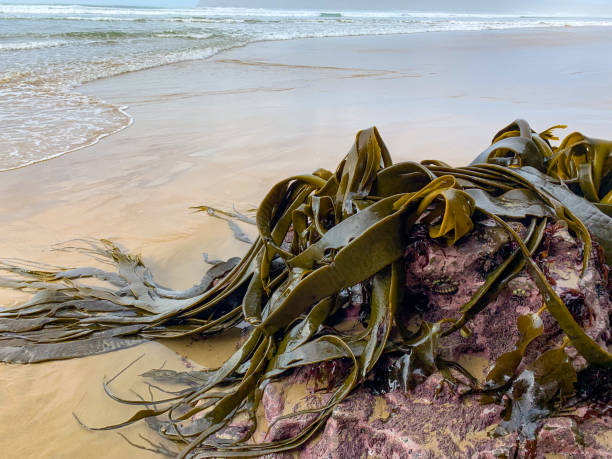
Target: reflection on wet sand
{"x":38,"y":400}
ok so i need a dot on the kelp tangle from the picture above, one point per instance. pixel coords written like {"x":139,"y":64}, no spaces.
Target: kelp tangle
{"x":322,"y":235}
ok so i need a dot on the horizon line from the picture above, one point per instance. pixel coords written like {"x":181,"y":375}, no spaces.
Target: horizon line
{"x":326,"y":10}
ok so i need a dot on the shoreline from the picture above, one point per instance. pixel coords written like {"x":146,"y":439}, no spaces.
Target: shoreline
{"x":222,"y":131}
{"x":123,"y":109}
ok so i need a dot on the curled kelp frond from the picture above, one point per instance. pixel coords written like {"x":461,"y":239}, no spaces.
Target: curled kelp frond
{"x":323,"y":236}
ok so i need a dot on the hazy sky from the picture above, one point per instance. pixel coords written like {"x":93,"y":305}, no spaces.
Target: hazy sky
{"x":576,"y":7}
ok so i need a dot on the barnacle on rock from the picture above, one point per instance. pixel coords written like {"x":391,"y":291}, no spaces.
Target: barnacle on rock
{"x":487,"y":264}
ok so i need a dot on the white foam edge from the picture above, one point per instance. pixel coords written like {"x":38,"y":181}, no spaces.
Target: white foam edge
{"x":122,"y":110}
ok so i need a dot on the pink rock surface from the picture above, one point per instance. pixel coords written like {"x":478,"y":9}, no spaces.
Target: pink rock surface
{"x":419,"y":424}
{"x":433,"y":420}
{"x":466,"y":264}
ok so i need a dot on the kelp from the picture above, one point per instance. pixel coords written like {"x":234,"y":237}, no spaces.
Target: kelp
{"x":229,"y":217}
{"x":321,"y":235}
{"x":537,"y":392}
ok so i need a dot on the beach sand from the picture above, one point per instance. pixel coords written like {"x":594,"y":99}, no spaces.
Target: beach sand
{"x":221,"y":132}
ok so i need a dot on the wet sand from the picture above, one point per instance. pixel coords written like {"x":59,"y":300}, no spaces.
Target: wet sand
{"x":222,"y":131}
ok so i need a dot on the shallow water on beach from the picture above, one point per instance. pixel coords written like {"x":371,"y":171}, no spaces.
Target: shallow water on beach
{"x":47,"y":51}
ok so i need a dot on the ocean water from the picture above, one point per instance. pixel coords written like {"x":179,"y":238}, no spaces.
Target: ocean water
{"x":48,"y":51}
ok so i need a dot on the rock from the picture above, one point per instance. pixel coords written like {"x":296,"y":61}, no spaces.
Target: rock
{"x":434,"y":420}
{"x":466,"y":265}
{"x":418,"y":424}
